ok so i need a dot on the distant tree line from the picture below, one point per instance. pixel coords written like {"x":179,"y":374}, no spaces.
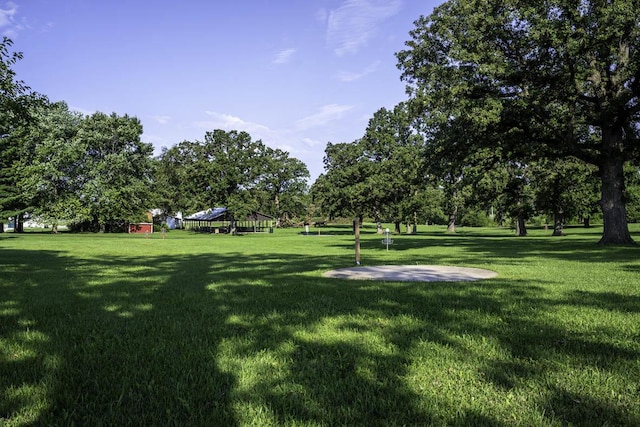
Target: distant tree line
{"x":523,"y":108}
{"x":392,"y":174}
{"x":230,"y":169}
{"x":93,"y":172}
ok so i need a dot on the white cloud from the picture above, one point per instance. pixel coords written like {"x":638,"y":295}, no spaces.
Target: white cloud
{"x":283,"y":57}
{"x":326,"y":114}
{"x":322,"y":15}
{"x":347,"y":76}
{"x":285,"y":147}
{"x":353,"y":24}
{"x":163,"y":120}
{"x":7,"y":12}
{"x":312,"y":142}
{"x":228,"y":122}
{"x":9,"y":27}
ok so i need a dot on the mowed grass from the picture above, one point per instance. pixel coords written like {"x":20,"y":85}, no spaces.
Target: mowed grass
{"x":210,"y":330}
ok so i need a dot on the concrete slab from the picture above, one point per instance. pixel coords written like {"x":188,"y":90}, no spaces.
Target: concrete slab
{"x":412,"y":273}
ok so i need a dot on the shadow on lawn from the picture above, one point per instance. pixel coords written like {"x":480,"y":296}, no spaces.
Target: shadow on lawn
{"x":141,"y":340}
{"x":499,"y":248}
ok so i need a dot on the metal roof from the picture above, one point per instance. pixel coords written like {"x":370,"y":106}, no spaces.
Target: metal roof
{"x":208,"y":215}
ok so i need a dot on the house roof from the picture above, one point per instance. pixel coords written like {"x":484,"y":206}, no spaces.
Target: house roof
{"x":219,"y":214}
{"x":208,"y":215}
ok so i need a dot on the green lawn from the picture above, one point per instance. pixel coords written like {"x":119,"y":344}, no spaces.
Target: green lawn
{"x":219,"y":330}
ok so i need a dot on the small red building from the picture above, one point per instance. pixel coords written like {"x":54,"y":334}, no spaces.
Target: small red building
{"x":141,"y":228}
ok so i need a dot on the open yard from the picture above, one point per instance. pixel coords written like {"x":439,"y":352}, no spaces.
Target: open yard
{"x":211,"y":330}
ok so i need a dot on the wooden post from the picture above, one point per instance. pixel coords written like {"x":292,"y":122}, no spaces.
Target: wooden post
{"x":356,"y":228}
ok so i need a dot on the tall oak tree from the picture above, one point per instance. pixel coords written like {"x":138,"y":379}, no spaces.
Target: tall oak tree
{"x":547,"y":79}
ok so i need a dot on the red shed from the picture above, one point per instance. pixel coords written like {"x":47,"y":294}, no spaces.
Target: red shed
{"x":141,"y":228}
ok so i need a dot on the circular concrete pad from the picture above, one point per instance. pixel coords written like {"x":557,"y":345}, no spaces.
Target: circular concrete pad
{"x":412,"y":273}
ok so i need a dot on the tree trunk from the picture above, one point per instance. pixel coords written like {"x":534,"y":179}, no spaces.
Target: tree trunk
{"x":521,"y":226}
{"x":558,"y":224}
{"x":451,"y":228}
{"x":1,"y":227}
{"x":614,"y":213}
{"x":587,"y":222}
{"x":18,"y":227}
{"x":397,"y":224}
{"x":277,"y":203}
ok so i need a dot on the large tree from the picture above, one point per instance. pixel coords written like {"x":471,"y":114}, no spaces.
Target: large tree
{"x":342,"y":190}
{"x":235,"y":166}
{"x":180,"y":178}
{"x":538,"y":79}
{"x":115,"y":171}
{"x":16,"y":104}
{"x":395,"y":174}
{"x":53,"y":177}
{"x":229,"y":169}
{"x":380,"y":174}
{"x":284,"y":182}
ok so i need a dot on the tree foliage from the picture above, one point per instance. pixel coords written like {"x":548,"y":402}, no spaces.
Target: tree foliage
{"x":380,"y":175}
{"x":54,"y":176}
{"x":535,"y":80}
{"x":565,"y":188}
{"x":115,"y":170}
{"x":284,"y":184}
{"x":16,"y":101}
{"x":230,"y":169}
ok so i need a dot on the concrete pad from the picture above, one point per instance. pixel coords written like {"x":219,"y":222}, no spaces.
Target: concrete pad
{"x":412,"y":273}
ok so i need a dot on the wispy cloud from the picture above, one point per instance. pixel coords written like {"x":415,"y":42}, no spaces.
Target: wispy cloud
{"x":228,"y":122}
{"x":8,"y":24}
{"x":348,"y":76}
{"x":353,"y":24}
{"x":312,"y":142}
{"x":7,"y":13}
{"x":283,"y":57}
{"x":326,"y":114}
{"x":163,"y":120}
{"x":322,"y":15}
{"x":277,"y":138}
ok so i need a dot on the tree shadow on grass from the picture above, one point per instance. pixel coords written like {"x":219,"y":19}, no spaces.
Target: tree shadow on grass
{"x":116,"y":347}
{"x":216,"y":339}
{"x":486,"y":249}
{"x":605,"y":300}
{"x":571,"y":408}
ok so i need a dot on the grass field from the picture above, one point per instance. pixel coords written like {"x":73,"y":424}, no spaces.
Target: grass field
{"x":220,"y":330}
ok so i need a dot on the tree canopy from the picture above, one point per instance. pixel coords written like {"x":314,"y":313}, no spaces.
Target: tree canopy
{"x":381,"y":174}
{"x":230,"y":169}
{"x":534,"y":80}
{"x":16,"y":104}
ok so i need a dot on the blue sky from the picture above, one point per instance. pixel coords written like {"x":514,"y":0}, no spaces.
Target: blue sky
{"x":294,"y":73}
